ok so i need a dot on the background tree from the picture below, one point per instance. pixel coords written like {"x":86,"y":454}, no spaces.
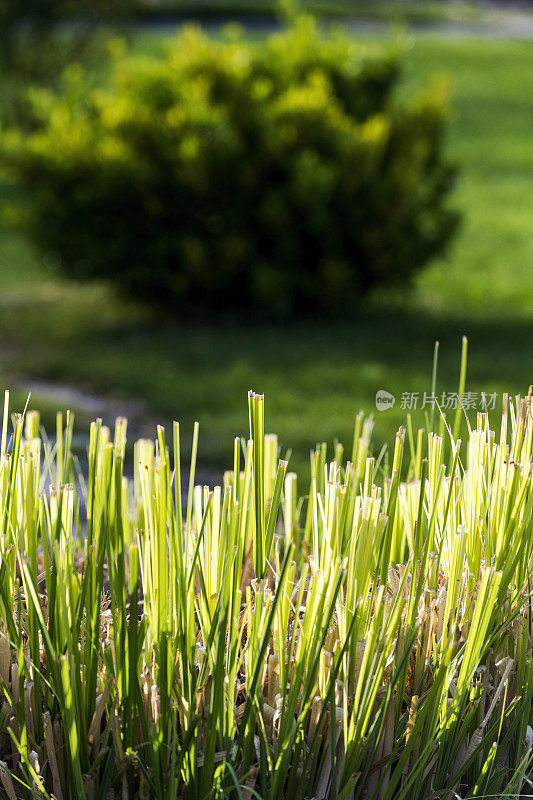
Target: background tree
{"x":39,"y":38}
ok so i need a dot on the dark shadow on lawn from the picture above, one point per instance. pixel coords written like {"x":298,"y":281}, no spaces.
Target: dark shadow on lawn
{"x":500,"y":350}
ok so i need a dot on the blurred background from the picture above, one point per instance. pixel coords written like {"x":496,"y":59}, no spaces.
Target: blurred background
{"x":199,"y":197}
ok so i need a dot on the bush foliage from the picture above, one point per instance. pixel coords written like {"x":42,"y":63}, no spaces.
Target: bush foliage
{"x":278,"y":177}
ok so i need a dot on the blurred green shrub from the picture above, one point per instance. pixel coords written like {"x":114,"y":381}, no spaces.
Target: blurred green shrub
{"x":277,"y":177}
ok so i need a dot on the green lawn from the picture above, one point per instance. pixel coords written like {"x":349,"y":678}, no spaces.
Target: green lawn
{"x":316,"y":377}
{"x":406,"y":10}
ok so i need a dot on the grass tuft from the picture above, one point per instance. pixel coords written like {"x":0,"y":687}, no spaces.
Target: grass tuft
{"x":370,"y":638}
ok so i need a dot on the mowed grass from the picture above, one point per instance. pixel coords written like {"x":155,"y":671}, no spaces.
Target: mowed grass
{"x":405,"y":10}
{"x":317,"y":376}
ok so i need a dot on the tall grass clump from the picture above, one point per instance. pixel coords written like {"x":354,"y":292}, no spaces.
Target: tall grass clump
{"x":368,"y":636}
